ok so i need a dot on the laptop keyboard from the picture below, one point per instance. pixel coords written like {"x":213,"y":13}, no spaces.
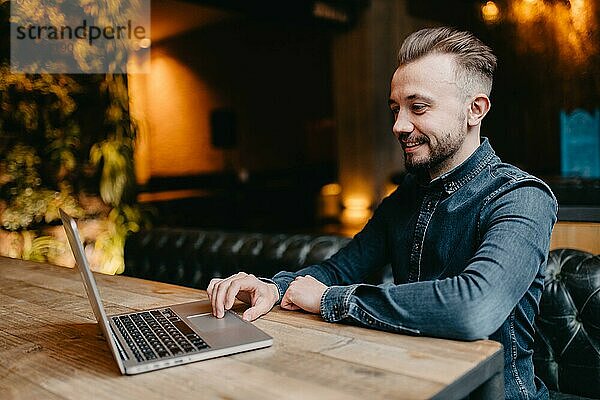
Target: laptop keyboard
{"x":158,"y":334}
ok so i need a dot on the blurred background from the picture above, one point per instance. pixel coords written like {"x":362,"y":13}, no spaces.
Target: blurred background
{"x":272,"y":116}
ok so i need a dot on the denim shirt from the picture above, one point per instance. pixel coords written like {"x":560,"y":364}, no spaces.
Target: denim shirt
{"x":468,"y":252}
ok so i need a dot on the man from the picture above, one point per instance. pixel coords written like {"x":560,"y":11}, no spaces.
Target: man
{"x":467,"y":235}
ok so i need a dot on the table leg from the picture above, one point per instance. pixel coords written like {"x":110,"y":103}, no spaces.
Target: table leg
{"x":493,"y":388}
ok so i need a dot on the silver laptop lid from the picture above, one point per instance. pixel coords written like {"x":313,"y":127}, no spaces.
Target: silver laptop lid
{"x":89,"y":282}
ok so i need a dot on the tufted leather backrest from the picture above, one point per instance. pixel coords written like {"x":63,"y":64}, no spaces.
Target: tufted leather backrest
{"x":191,"y":257}
{"x":567,"y":353}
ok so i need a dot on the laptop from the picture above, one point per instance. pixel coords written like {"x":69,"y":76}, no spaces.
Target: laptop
{"x":163,"y":337}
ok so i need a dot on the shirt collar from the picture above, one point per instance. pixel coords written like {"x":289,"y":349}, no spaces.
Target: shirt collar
{"x":454,"y":179}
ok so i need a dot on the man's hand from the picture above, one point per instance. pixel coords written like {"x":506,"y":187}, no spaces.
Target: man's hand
{"x":247,"y":288}
{"x":305,"y":293}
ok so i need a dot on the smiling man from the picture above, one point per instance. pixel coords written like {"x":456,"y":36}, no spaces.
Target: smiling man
{"x":467,"y":236}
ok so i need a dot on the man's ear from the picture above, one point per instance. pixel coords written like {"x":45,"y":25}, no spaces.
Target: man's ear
{"x":479,"y":107}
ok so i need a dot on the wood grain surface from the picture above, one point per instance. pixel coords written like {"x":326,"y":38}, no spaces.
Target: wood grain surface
{"x":51,"y":348}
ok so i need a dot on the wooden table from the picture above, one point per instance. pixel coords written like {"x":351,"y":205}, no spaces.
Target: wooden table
{"x":51,"y":348}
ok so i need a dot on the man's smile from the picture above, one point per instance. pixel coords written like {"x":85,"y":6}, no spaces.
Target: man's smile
{"x":412,"y":145}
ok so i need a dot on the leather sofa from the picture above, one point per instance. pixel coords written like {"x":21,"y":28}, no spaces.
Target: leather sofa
{"x":567,"y":354}
{"x":193,"y":257}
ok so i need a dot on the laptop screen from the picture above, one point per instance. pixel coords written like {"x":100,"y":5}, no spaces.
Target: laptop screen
{"x":88,"y":281}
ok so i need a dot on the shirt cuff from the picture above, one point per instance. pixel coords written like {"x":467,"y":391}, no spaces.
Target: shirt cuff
{"x":335,"y":302}
{"x":282,"y":280}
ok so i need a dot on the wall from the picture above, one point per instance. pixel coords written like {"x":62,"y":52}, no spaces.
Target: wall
{"x":364,"y":60}
{"x":276,"y":79}
{"x":576,"y":235}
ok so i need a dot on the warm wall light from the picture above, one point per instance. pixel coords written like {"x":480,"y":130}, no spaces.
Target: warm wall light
{"x":356,"y":212}
{"x":490,"y":12}
{"x":330,"y":202}
{"x":355,"y":218}
{"x":176,"y":102}
{"x":331,"y":189}
{"x":567,"y":27}
{"x":145,"y":43}
{"x":356,"y":203}
{"x":390,"y":188}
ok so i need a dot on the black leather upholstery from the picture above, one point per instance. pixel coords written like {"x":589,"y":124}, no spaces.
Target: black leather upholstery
{"x":567,"y":353}
{"x":193,"y":257}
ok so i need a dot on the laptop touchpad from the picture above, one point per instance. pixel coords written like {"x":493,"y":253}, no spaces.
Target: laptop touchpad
{"x":208,"y":323}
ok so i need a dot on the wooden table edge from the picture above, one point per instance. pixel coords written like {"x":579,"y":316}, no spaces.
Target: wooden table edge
{"x":485,"y":382}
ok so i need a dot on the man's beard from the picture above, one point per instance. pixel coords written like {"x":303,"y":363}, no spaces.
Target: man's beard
{"x":439,"y":156}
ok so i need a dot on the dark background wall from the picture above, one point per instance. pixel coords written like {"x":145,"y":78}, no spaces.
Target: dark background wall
{"x":276,"y":77}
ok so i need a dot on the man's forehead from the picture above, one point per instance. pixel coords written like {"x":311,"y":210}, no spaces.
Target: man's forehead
{"x":428,"y":73}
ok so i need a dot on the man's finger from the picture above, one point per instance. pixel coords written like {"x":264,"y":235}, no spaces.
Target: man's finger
{"x":211,"y":286}
{"x":287,"y":303}
{"x":213,"y":297}
{"x":290,"y":306}
{"x":247,"y":283}
{"x":218,"y":293}
{"x":262,"y":307}
{"x":219,"y":297}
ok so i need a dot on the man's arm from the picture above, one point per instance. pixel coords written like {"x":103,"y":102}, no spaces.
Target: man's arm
{"x":365,"y":252}
{"x":515,"y":236}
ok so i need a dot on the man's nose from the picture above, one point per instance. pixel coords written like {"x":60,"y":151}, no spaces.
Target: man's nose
{"x":402,"y":125}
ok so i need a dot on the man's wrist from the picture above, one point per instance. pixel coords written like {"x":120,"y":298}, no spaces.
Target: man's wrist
{"x":276,"y":292}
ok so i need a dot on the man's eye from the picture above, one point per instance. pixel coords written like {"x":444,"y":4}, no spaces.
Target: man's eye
{"x":395,"y":111}
{"x":419,"y":108}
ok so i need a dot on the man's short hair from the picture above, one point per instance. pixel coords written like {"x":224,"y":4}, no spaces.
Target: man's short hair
{"x":475,"y":61}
